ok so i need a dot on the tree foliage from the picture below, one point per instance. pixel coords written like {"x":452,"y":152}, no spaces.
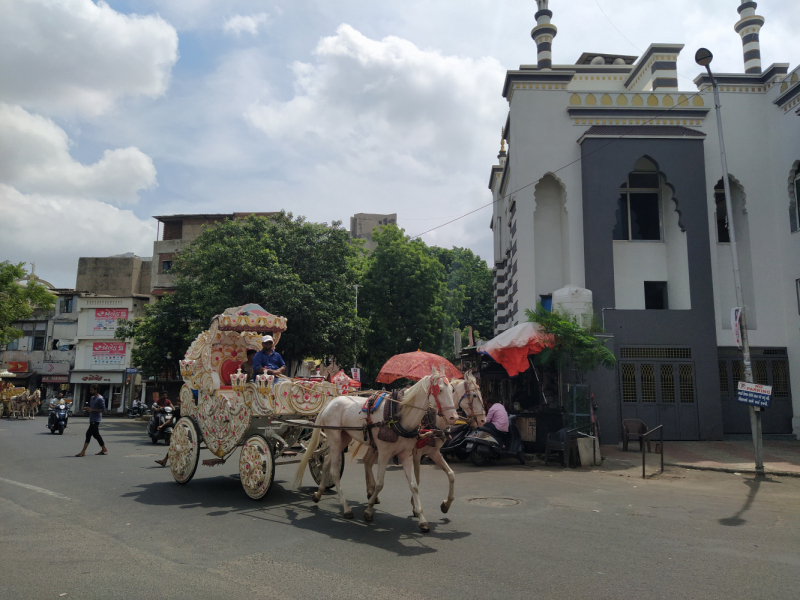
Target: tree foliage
{"x":300,"y":270}
{"x":18,"y":302}
{"x":469,"y":300}
{"x":403,"y":296}
{"x":573,"y":344}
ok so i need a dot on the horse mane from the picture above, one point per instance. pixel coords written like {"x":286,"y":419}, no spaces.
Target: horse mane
{"x":407,"y":404}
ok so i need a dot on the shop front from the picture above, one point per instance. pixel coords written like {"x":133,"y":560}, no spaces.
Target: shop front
{"x":110,"y":384}
{"x":55,"y":379}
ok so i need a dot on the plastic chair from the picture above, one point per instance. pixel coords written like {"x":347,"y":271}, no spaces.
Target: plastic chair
{"x":565,"y":442}
{"x":633,"y":429}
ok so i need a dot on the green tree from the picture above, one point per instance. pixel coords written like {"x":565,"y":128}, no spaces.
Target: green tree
{"x":403,"y":296}
{"x":17,"y":301}
{"x":300,"y":270}
{"x":573,"y":344}
{"x":469,"y":298}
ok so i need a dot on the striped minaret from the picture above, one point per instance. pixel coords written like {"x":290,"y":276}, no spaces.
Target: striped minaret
{"x":748,"y":27}
{"x":543,"y":35}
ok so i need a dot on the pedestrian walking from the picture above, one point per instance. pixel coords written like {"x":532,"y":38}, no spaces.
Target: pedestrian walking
{"x":97,"y":405}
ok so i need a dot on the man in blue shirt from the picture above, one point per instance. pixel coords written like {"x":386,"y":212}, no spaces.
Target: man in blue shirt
{"x":268,"y":362}
{"x":97,"y":405}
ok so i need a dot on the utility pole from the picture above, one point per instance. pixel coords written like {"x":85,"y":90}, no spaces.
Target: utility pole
{"x":355,"y":287}
{"x":703,"y":57}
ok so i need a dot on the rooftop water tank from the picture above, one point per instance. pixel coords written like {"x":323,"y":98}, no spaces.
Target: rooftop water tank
{"x":576,"y":302}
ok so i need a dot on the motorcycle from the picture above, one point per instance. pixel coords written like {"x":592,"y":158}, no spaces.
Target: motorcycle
{"x":455,"y":444}
{"x":135,"y":412}
{"x":485,"y":445}
{"x":160,"y":417}
{"x":57,"y":418}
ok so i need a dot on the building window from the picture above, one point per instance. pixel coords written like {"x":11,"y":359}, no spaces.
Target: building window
{"x":13,"y":344}
{"x":39,"y":333}
{"x":723,"y":234}
{"x":793,"y":217}
{"x":639,"y":208}
{"x":66,"y":305}
{"x":166,"y":266}
{"x":655,"y":295}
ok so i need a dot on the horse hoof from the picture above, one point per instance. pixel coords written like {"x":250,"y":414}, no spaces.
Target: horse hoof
{"x":424,"y":527}
{"x":348,"y":514}
{"x":315,"y":497}
{"x":368,"y":517}
{"x":444,"y":507}
{"x":414,"y":513}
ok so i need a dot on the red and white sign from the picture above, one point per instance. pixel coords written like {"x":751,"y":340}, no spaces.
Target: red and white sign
{"x":105,"y":319}
{"x":108,"y":353}
{"x":55,"y":379}
{"x":55,"y":368}
{"x":18,"y":366}
{"x":356,"y":373}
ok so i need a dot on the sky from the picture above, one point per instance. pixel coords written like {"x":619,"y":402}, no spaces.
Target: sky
{"x":113,"y":112}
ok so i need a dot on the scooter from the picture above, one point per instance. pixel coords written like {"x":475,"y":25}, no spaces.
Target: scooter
{"x":134,"y":412}
{"x":57,"y":418}
{"x":455,"y":444}
{"x":484,"y":445}
{"x":160,"y":417}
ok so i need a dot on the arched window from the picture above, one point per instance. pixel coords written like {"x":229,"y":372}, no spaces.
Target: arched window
{"x":639,"y":205}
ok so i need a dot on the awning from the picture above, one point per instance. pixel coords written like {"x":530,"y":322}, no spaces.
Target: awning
{"x":23,"y":375}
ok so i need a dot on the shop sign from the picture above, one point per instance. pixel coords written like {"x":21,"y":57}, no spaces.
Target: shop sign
{"x":18,"y":366}
{"x":55,"y":368}
{"x":95,"y":377}
{"x":356,"y":373}
{"x":754,"y":394}
{"x":108,"y":353}
{"x":55,"y":379}
{"x":105,"y":320}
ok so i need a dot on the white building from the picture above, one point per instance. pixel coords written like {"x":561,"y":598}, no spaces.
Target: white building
{"x":99,"y":357}
{"x":612,"y":181}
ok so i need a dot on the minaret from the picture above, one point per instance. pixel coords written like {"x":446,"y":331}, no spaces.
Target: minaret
{"x":543,"y":35}
{"x":503,"y":154}
{"x":748,"y":27}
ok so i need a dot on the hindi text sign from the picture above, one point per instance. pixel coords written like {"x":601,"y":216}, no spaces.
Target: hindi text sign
{"x":754,"y":394}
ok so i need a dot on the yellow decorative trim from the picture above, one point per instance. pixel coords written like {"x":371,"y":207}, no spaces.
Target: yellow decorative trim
{"x":698,"y":101}
{"x":652,"y":100}
{"x":575,"y":100}
{"x":622,"y":100}
{"x":668,"y":101}
{"x":637,"y":100}
{"x":606,"y":100}
{"x":591,"y":100}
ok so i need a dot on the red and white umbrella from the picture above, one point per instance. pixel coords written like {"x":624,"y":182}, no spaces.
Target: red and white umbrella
{"x":512,"y":347}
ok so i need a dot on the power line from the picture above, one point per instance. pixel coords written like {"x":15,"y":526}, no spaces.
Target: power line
{"x":614,"y":26}
{"x":569,"y":164}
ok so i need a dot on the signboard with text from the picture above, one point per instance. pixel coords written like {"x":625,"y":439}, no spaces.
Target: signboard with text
{"x":108,"y":353}
{"x":105,"y":320}
{"x":754,"y":394}
{"x":356,"y":373}
{"x":55,"y":379}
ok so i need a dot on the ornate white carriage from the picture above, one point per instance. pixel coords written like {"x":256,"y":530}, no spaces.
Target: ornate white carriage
{"x":221,"y":410}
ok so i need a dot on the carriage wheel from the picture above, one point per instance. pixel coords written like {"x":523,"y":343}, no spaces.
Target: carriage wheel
{"x":184,"y":450}
{"x":256,"y":467}
{"x":318,"y":458}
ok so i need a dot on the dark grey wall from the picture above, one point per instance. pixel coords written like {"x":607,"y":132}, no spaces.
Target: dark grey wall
{"x":604,"y":168}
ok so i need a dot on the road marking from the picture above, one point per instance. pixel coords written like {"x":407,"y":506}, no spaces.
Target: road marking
{"x":35,"y":489}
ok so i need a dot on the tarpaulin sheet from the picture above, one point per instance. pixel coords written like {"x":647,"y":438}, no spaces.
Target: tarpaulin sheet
{"x":512,"y":347}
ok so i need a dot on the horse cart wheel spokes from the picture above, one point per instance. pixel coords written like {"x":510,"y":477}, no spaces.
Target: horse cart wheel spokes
{"x":184,"y":450}
{"x":317,"y":460}
{"x":256,"y":467}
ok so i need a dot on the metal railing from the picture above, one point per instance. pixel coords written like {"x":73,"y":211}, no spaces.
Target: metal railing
{"x":646,"y":443}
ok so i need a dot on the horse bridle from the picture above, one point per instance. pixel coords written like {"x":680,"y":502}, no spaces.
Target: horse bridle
{"x":435,"y":390}
{"x":469,"y":391}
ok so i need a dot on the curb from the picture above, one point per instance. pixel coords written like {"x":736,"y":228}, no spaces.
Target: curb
{"x":731,"y":470}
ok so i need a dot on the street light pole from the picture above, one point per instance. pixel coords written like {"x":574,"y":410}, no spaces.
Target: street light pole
{"x":703,"y":58}
{"x":355,"y":287}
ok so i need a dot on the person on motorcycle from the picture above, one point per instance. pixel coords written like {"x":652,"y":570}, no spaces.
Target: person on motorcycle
{"x":497,"y":420}
{"x":162,"y":402}
{"x":176,"y":415}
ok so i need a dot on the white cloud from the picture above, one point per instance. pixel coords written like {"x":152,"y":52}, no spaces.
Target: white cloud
{"x":388,"y":106}
{"x":54,"y":230}
{"x":75,"y":55}
{"x":34,"y":157}
{"x":239,"y":24}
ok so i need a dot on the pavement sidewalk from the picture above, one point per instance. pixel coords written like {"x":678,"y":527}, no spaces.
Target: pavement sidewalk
{"x":781,"y":457}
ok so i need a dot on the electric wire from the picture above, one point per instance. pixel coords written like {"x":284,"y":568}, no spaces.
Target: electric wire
{"x":569,"y":164}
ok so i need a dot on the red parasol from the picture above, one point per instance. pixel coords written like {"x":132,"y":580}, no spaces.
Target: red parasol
{"x":415,"y":365}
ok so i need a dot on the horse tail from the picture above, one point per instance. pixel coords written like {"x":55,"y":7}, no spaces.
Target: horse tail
{"x":312,"y":446}
{"x":356,"y":448}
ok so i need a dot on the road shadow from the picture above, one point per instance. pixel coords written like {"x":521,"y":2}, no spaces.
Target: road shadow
{"x":223,"y":496}
{"x":754,"y":484}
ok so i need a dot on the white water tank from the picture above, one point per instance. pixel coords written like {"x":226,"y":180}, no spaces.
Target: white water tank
{"x":576,"y":302}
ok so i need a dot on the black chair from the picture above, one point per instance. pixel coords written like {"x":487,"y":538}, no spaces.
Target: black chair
{"x":633,"y":429}
{"x":564,"y":442}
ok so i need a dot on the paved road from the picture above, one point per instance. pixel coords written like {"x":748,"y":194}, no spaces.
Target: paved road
{"x":117,"y":526}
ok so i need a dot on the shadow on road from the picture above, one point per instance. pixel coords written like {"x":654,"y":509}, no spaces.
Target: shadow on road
{"x":223,"y":495}
{"x":754,"y":484}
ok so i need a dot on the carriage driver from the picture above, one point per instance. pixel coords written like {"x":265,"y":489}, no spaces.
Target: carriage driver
{"x":267,"y":361}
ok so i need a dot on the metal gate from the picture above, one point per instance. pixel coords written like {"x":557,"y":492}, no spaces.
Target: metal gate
{"x":657,"y":386}
{"x":770,"y":367}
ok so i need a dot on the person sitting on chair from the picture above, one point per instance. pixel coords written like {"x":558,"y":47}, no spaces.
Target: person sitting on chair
{"x":247,"y":366}
{"x":268,"y":362}
{"x":497,"y":421}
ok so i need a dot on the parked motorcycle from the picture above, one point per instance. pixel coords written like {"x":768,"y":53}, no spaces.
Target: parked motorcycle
{"x":485,"y":445}
{"x":57,"y":418}
{"x":135,"y":412}
{"x":455,"y":445}
{"x":160,"y":417}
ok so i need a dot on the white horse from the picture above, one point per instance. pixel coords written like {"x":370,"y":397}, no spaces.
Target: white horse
{"x":469,"y":400}
{"x":344,"y":415}
{"x":18,"y":404}
{"x":31,"y":406}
